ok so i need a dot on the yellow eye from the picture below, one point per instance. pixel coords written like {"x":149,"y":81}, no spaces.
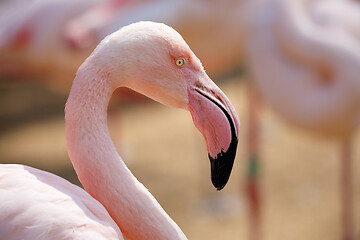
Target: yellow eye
{"x":179,"y":62}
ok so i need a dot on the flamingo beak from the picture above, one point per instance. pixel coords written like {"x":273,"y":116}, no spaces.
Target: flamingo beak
{"x":216,"y":119}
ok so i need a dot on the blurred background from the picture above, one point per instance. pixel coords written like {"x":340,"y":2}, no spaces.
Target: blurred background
{"x":290,"y":68}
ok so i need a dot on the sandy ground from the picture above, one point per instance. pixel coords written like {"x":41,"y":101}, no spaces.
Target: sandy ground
{"x":161,"y":146}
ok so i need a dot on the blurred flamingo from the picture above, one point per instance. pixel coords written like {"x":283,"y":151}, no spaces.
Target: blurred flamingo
{"x":206,"y":25}
{"x":305,"y":59}
{"x":80,"y":28}
{"x":154,"y":60}
{"x":49,"y":40}
{"x":32,"y":41}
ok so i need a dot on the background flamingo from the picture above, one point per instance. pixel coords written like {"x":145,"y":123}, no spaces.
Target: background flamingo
{"x":32,"y":41}
{"x":206,"y":25}
{"x":184,"y":84}
{"x":308,"y":72}
{"x":51,"y":46}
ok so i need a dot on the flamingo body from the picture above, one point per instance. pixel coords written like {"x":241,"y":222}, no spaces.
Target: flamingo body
{"x":39,"y":205}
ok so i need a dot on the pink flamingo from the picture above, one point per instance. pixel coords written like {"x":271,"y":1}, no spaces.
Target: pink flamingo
{"x":32,"y":41}
{"x":79,"y":31}
{"x":309,"y":77}
{"x":49,"y":40}
{"x":154,"y":60}
{"x":206,"y":25}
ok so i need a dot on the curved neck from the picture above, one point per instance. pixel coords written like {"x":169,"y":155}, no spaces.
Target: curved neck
{"x":99,"y":167}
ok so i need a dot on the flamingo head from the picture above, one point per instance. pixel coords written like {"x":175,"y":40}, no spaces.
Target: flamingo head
{"x":153,"y":59}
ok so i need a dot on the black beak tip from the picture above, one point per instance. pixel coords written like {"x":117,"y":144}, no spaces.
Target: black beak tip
{"x":220,"y":172}
{"x":222,"y":165}
{"x":220,"y":186}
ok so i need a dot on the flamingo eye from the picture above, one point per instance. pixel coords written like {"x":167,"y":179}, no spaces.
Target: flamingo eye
{"x":179,"y":62}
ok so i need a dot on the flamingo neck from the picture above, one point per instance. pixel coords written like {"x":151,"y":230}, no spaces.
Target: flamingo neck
{"x":99,"y":167}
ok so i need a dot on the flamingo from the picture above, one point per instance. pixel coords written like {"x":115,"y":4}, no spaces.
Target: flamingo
{"x":154,"y":60}
{"x":306,"y":64}
{"x":49,"y":40}
{"x":80,"y":28}
{"x":206,"y":25}
{"x":32,"y":43}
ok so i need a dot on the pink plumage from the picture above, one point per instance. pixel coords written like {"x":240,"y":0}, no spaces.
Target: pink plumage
{"x":38,"y":205}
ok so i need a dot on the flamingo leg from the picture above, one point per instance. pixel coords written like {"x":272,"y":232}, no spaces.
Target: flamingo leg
{"x":347,"y":191}
{"x":252,"y":184}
